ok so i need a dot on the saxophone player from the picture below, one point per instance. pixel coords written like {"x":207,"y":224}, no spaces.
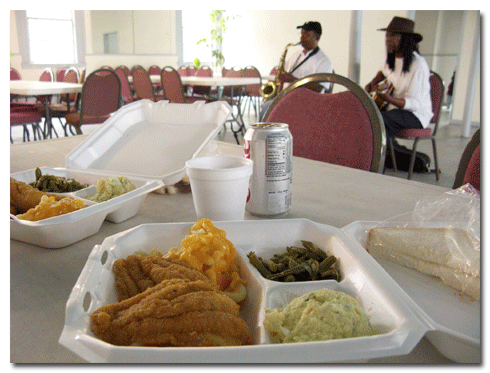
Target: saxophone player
{"x":309,"y":59}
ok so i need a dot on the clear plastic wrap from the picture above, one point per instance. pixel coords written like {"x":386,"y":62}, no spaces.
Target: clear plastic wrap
{"x":440,"y":237}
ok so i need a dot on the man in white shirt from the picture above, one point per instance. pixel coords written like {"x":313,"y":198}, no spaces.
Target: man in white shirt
{"x":309,"y":59}
{"x":409,"y":102}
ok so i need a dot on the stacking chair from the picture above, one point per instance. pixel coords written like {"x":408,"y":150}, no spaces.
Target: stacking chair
{"x":68,"y":102}
{"x":155,"y":70}
{"x":203,"y":91}
{"x":126,"y":93}
{"x":60,"y":73}
{"x":232,"y":95}
{"x":143,"y":86}
{"x":469,"y":165}
{"x":192,"y":70}
{"x":101,"y":96}
{"x":436,"y":94}
{"x":172,"y":87}
{"x":252,"y":91}
{"x":14,"y":75}
{"x":23,"y":115}
{"x":344,"y":128}
{"x":184,"y":71}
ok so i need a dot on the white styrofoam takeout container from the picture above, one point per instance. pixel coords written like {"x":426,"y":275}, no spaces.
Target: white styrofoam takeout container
{"x":456,"y":318}
{"x":151,"y":139}
{"x":398,"y":321}
{"x":64,"y":230}
{"x":145,"y":141}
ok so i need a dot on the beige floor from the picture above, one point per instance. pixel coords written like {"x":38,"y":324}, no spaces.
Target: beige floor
{"x":450,"y":146}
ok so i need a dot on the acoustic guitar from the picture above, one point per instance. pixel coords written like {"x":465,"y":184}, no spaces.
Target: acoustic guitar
{"x":384,"y":87}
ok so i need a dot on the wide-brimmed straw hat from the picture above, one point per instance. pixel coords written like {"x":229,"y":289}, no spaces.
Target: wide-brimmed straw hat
{"x":401,"y":25}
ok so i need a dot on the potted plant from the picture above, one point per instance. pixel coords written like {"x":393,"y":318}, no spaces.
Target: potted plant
{"x":215,"y":43}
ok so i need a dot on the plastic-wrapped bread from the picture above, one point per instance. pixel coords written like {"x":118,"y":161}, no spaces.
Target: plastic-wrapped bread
{"x":451,"y":254}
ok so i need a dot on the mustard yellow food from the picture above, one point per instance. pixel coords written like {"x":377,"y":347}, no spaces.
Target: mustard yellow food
{"x":49,"y":207}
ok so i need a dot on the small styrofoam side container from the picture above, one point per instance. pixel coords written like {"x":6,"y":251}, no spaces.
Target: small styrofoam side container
{"x":64,"y":230}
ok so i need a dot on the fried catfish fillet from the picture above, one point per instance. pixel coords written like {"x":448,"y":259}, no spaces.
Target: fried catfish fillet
{"x":24,"y":197}
{"x":176,"y":312}
{"x":137,"y":273}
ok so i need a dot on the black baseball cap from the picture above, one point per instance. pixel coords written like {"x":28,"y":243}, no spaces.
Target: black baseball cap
{"x":312,"y":26}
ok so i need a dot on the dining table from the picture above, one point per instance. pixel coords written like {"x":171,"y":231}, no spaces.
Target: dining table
{"x":41,"y":279}
{"x":31,"y":88}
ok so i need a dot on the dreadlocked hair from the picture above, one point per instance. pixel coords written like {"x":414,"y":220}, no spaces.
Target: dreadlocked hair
{"x":407,"y":46}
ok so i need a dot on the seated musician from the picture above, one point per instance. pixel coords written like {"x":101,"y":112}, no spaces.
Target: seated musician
{"x":409,"y":101}
{"x":305,"y":61}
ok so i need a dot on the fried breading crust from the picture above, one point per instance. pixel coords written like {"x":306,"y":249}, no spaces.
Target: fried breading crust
{"x":137,"y":273}
{"x":24,"y":197}
{"x":176,"y":312}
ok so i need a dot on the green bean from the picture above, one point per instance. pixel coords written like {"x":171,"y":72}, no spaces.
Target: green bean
{"x":257,"y":263}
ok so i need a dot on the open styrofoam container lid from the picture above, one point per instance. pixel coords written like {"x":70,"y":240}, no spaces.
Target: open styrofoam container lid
{"x":151,"y":139}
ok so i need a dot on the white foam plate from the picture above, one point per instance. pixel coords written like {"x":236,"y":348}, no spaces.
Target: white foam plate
{"x":456,"y":319}
{"x":151,"y":139}
{"x":64,"y":230}
{"x":398,"y":322}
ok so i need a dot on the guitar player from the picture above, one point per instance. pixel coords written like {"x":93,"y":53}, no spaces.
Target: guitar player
{"x":408,"y":102}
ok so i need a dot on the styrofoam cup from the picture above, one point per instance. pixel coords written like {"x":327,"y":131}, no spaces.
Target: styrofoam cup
{"x":219,"y":186}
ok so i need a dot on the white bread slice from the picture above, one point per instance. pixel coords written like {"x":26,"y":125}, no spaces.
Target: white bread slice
{"x":448,"y":253}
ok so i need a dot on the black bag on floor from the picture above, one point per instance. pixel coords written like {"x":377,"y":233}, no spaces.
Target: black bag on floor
{"x":402,"y":156}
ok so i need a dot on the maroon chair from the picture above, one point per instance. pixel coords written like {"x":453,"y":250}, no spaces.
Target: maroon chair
{"x":252,"y":91}
{"x":192,"y":70}
{"x":344,"y":128}
{"x":101,"y":96}
{"x":60,"y":73}
{"x":23,"y":115}
{"x":172,"y":87}
{"x":155,"y":70}
{"x":469,"y":169}
{"x":143,"y":86}
{"x":14,"y":74}
{"x":232,"y":95}
{"x":203,"y":91}
{"x":436,"y":94}
{"x":68,"y":102}
{"x":126,"y":93}
{"x":184,"y":71}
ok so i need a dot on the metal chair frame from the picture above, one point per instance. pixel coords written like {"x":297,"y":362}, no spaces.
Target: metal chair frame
{"x":432,"y":136}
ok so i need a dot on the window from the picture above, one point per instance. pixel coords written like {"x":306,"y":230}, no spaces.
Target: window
{"x":196,"y":25}
{"x":50,"y":37}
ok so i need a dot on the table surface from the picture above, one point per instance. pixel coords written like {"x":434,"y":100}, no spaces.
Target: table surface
{"x":210,"y":81}
{"x":42,"y":279}
{"x":34,"y":87}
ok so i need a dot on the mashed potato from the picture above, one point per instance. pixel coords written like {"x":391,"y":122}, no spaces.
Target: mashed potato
{"x":317,"y":316}
{"x":111,"y":187}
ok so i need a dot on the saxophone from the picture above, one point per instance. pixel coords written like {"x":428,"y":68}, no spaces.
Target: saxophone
{"x":270,"y":90}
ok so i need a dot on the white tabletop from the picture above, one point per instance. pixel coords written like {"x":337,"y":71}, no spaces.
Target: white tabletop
{"x":42,"y":279}
{"x":210,"y":81}
{"x":35,"y":88}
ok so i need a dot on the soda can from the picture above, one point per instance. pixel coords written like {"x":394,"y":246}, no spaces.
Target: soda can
{"x":270,"y":146}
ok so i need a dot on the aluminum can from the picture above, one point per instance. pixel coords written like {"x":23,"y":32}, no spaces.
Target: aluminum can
{"x":270,"y":146}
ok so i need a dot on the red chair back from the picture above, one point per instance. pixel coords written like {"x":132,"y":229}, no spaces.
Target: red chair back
{"x":60,"y":73}
{"x":235,"y":72}
{"x":203,"y":90}
{"x":172,"y":85}
{"x":46,"y":76}
{"x":333,"y":128}
{"x":142,"y":83}
{"x":71,"y":75}
{"x":436,"y":95}
{"x":14,"y":74}
{"x":192,"y":70}
{"x":472,"y":174}
{"x":252,"y":89}
{"x":100,"y":96}
{"x":125,"y":88}
{"x":469,"y":168}
{"x":183,"y":71}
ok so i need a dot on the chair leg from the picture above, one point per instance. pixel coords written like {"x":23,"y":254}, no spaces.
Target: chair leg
{"x":392,"y":153}
{"x":434,"y":149}
{"x":412,"y":158}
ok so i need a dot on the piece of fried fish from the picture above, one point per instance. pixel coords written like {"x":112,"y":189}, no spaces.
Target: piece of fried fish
{"x":137,"y":273}
{"x":175,"y":312}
